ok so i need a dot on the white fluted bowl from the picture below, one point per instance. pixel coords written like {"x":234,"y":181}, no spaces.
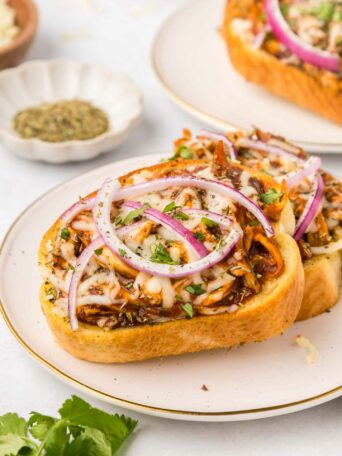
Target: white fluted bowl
{"x":38,"y":81}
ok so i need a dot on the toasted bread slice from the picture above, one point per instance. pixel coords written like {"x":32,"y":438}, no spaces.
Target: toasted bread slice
{"x":290,"y":82}
{"x":323,"y":280}
{"x":262,"y":316}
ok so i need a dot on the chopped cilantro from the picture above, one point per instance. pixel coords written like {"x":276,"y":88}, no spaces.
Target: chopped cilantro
{"x":160,"y":255}
{"x":188,"y":309}
{"x":118,"y":220}
{"x":65,"y":233}
{"x":195,"y":289}
{"x":324,"y":11}
{"x":284,"y":8}
{"x":170,"y":207}
{"x":181,"y":216}
{"x":207,"y":221}
{"x":271,"y":196}
{"x":185,"y":152}
{"x":254,"y":223}
{"x":199,"y":236}
{"x":98,"y":251}
{"x":135,"y":214}
{"x":122,"y":252}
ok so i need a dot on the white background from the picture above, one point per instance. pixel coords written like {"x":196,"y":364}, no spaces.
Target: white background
{"x":119,"y":33}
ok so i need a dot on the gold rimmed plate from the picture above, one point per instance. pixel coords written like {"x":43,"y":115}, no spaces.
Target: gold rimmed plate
{"x":254,"y":381}
{"x":190,"y":60}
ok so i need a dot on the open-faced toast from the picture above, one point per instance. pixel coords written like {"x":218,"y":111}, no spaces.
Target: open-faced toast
{"x":253,"y":293}
{"x":273,"y":155}
{"x":271,"y":66}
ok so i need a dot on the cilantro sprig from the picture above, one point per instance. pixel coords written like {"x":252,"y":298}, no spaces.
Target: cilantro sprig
{"x":271,"y":196}
{"x":160,"y":254}
{"x":195,"y":289}
{"x":79,"y":430}
{"x":132,"y":215}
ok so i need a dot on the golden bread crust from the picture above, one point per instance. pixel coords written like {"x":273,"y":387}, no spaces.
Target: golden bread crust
{"x":323,"y":279}
{"x":263,"y":316}
{"x":284,"y":80}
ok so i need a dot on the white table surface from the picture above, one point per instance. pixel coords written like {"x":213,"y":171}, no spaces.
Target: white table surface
{"x":119,"y":33}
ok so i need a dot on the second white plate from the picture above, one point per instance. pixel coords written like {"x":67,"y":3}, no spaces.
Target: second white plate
{"x":254,"y":381}
{"x":191,"y":61}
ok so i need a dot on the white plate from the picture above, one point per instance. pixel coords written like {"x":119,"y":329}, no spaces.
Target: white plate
{"x":191,"y":61}
{"x":254,"y":381}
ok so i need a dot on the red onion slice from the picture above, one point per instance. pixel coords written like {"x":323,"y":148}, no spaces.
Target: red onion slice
{"x":282,"y":31}
{"x":294,"y":178}
{"x":111,"y":191}
{"x":75,"y":209}
{"x":171,"y":224}
{"x":217,"y":218}
{"x":80,"y":266}
{"x":261,"y":146}
{"x":328,"y":248}
{"x":221,"y":137}
{"x":311,"y":208}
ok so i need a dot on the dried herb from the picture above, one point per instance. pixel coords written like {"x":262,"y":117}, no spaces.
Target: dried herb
{"x":62,"y":121}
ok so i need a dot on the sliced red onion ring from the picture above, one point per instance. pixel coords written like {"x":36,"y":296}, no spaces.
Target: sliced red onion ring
{"x":217,"y":218}
{"x":282,"y":31}
{"x":294,"y":178}
{"x":171,"y":224}
{"x":75,"y":209}
{"x":111,"y":191}
{"x":311,"y":208}
{"x":261,"y":146}
{"x":221,"y":137}
{"x":328,"y":248}
{"x":81,"y":264}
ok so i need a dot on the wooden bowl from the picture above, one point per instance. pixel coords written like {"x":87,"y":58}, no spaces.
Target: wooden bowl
{"x":27,"y":20}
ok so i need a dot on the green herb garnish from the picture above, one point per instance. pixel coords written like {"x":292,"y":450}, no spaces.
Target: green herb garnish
{"x":207,"y":221}
{"x":181,"y":216}
{"x":254,"y":223}
{"x":160,"y":255}
{"x":98,"y":251}
{"x":79,"y":430}
{"x":199,"y":236}
{"x":65,"y":234}
{"x":195,"y":289}
{"x":122,"y":252}
{"x":132,"y":215}
{"x":325,"y":11}
{"x":284,"y":8}
{"x":170,"y":207}
{"x":188,"y":309}
{"x":184,"y":152}
{"x":118,"y":220}
{"x":271,"y":196}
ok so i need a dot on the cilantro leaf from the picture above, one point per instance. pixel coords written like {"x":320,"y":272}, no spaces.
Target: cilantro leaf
{"x":181,"y":216}
{"x":132,"y":215}
{"x":160,"y":255}
{"x":65,"y":233}
{"x":199,"y":236}
{"x":270,"y":196}
{"x":185,"y":152}
{"x":170,"y":207}
{"x":79,"y":412}
{"x":122,"y":252}
{"x":13,"y":436}
{"x":98,"y":251}
{"x":39,"y":425}
{"x":195,"y":289}
{"x":188,"y":309}
{"x":207,"y":221}
{"x":81,"y":430}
